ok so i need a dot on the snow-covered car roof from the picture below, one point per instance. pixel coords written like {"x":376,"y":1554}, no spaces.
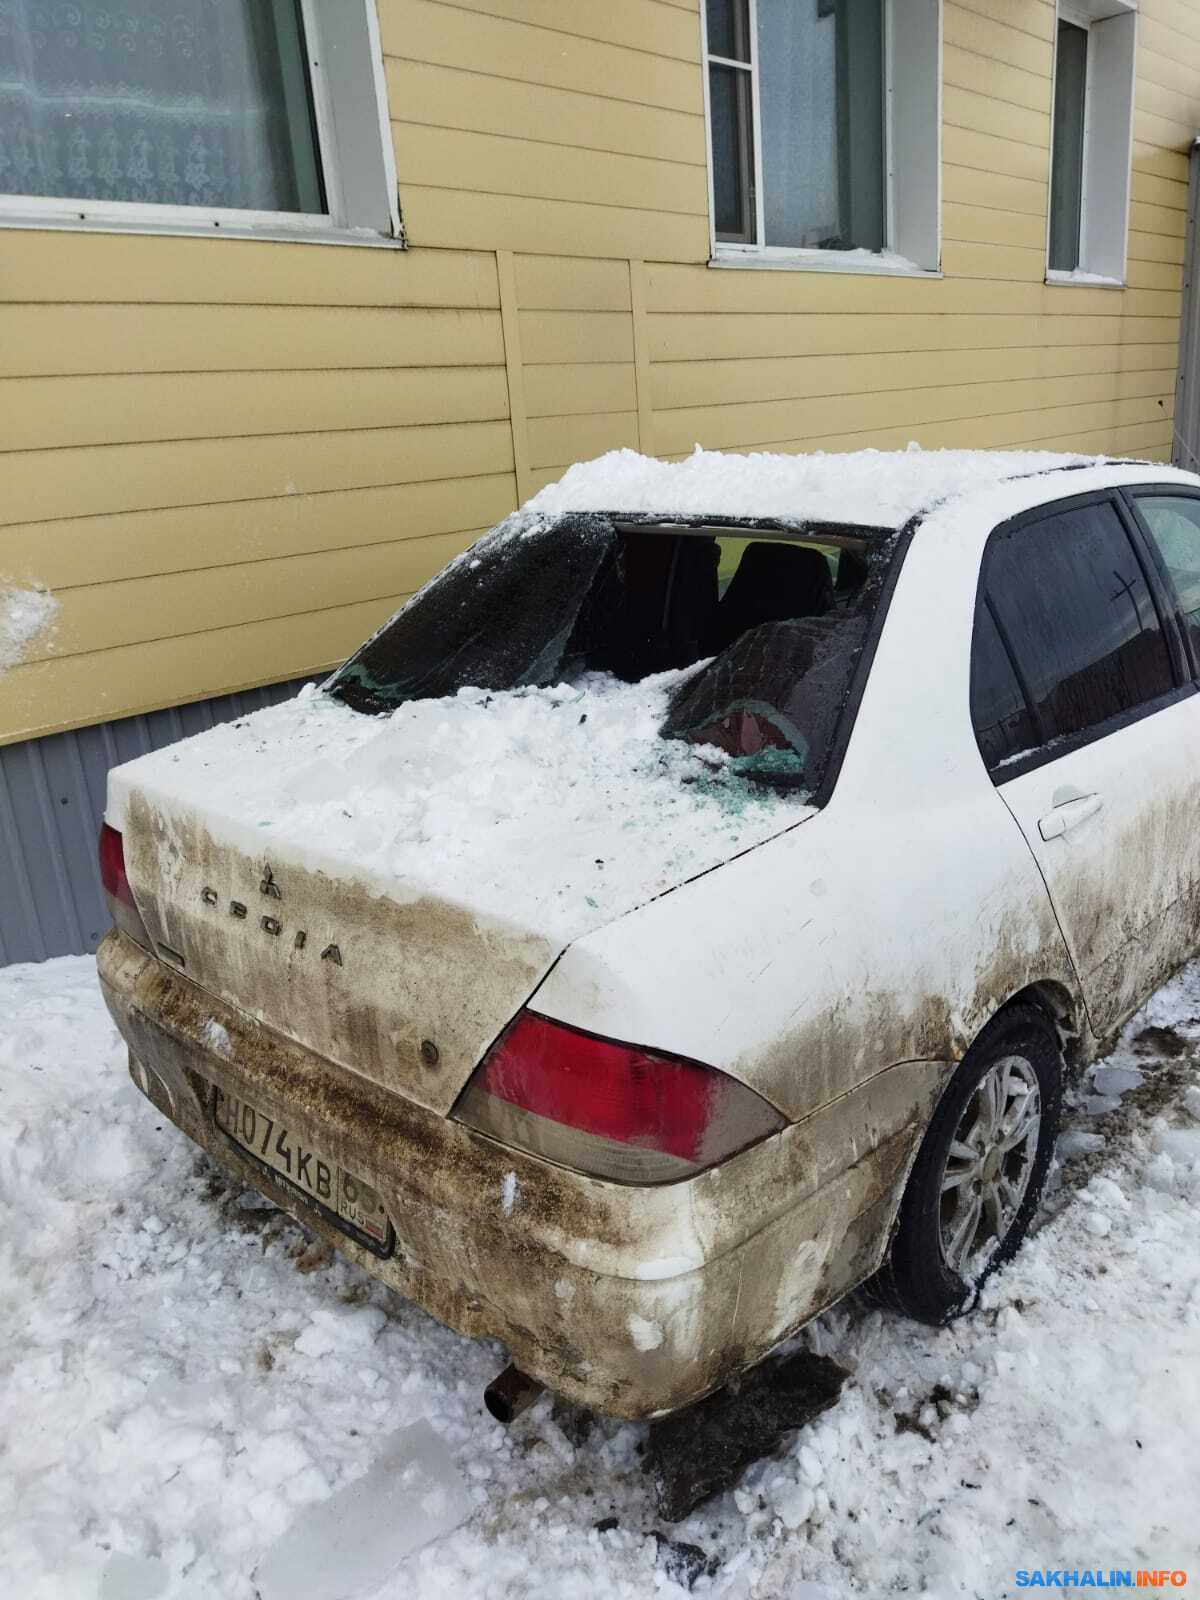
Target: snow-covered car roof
{"x":875,"y":488}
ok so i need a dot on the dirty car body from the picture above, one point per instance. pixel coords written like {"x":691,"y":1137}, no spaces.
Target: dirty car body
{"x":641,"y":1134}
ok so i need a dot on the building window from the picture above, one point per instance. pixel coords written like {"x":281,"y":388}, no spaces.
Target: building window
{"x":824,"y":125}
{"x":1091,"y":140}
{"x":196,"y":113}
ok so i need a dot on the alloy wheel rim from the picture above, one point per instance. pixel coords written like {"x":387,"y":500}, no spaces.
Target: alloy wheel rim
{"x":989,"y":1164}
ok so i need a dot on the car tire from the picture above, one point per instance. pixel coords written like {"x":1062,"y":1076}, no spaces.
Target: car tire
{"x":929,"y":1273}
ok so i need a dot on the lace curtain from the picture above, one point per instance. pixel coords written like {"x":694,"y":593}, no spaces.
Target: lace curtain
{"x":174,"y":102}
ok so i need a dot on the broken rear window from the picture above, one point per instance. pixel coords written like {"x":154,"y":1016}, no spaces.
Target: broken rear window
{"x":772,"y":619}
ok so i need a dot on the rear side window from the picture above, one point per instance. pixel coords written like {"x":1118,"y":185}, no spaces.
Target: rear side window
{"x":1174,"y":525}
{"x":1065,"y":600}
{"x":1004,"y":724}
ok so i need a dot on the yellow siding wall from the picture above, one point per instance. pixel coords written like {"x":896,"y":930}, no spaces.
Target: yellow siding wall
{"x":230,"y":459}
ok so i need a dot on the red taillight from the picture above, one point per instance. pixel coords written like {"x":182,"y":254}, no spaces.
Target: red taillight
{"x":112,"y":865}
{"x":113,"y":876}
{"x":612,"y":1109}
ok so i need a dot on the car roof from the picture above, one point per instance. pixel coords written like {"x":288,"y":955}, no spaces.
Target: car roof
{"x":880,"y":489}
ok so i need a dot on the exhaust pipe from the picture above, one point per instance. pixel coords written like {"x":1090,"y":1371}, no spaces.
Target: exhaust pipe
{"x":510,"y":1394}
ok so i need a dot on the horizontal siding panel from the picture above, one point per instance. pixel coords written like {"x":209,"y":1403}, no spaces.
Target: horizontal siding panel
{"x":981,"y":113}
{"x":554,"y":337}
{"x":448,"y":97}
{"x":1153,"y":156}
{"x":989,"y":155}
{"x":969,"y":186}
{"x":997,"y":41}
{"x":449,"y":158}
{"x":40,"y":413}
{"x":1162,"y":61}
{"x":1034,"y":17}
{"x":69,"y":693}
{"x":41,"y":484}
{"x":678,"y":287}
{"x":996,"y":80}
{"x":449,"y":217}
{"x":77,"y":340}
{"x":1156,"y":247}
{"x":729,"y":337}
{"x":1178,"y":106}
{"x":103,"y":549}
{"x":58,"y":265}
{"x":423,"y":30}
{"x":137,"y":611}
{"x":1163,"y":133}
{"x":749,"y":426}
{"x":1153,"y":275}
{"x":974,"y":224}
{"x":711,"y":383}
{"x":1162,"y":220}
{"x":1171,"y":193}
{"x":1180,"y":17}
{"x":1100,"y":422}
{"x":572,"y":389}
{"x":564,"y":283}
{"x":559,"y":441}
{"x":994,"y":262}
{"x":635,"y":24}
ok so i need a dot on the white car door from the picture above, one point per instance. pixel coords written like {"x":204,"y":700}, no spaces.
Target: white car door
{"x":1087,"y":716}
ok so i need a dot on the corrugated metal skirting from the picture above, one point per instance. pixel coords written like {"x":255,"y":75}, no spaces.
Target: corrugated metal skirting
{"x":51,"y":802}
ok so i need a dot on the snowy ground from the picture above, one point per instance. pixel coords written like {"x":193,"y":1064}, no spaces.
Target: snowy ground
{"x":183,"y":1377}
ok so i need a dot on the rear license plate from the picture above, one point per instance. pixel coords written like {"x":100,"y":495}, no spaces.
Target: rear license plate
{"x":268,"y":1139}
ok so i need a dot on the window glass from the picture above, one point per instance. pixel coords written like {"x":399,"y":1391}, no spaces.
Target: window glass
{"x":728,"y":29}
{"x":1070,"y":599}
{"x":199,"y":103}
{"x":1066,"y":172}
{"x":732,"y":152}
{"x":999,"y":710}
{"x":821,"y":83}
{"x":1174,"y":523}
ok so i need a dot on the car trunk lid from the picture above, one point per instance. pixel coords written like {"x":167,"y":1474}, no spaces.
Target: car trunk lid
{"x":406,"y":988}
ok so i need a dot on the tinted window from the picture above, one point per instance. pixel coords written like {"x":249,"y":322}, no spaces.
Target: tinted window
{"x":999,"y":710}
{"x":1072,"y":605}
{"x":1174,"y":523}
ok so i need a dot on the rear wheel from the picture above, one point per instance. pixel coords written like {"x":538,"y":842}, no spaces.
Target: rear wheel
{"x":979,"y":1174}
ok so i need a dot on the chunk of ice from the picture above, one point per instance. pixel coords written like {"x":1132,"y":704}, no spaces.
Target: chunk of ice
{"x":1075,"y":1142}
{"x":349,"y":1544}
{"x":1116,"y":1080}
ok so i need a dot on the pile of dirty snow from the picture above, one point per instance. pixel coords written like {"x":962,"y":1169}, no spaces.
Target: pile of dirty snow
{"x":556,"y":809}
{"x":25,"y":615}
{"x":879,"y":488}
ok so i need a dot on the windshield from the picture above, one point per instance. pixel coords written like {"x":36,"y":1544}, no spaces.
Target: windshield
{"x":772,"y":620}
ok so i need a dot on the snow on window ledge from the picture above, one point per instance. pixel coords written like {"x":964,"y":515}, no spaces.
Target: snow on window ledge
{"x":1093,"y":280}
{"x":885,"y":263}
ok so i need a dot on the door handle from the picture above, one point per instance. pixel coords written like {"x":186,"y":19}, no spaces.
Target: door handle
{"x":1069,"y":815}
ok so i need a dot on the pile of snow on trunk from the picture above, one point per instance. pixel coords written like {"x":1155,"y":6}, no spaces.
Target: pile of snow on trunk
{"x":558,"y":808}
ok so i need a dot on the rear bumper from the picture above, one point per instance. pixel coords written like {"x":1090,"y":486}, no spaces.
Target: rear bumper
{"x":630,"y":1301}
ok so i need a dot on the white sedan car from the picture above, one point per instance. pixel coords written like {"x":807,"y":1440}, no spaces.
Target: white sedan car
{"x":688,"y":906}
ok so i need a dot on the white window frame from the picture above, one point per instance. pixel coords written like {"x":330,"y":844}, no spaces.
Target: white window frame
{"x":1111,"y":28}
{"x":354,"y":138}
{"x":912,"y":158}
